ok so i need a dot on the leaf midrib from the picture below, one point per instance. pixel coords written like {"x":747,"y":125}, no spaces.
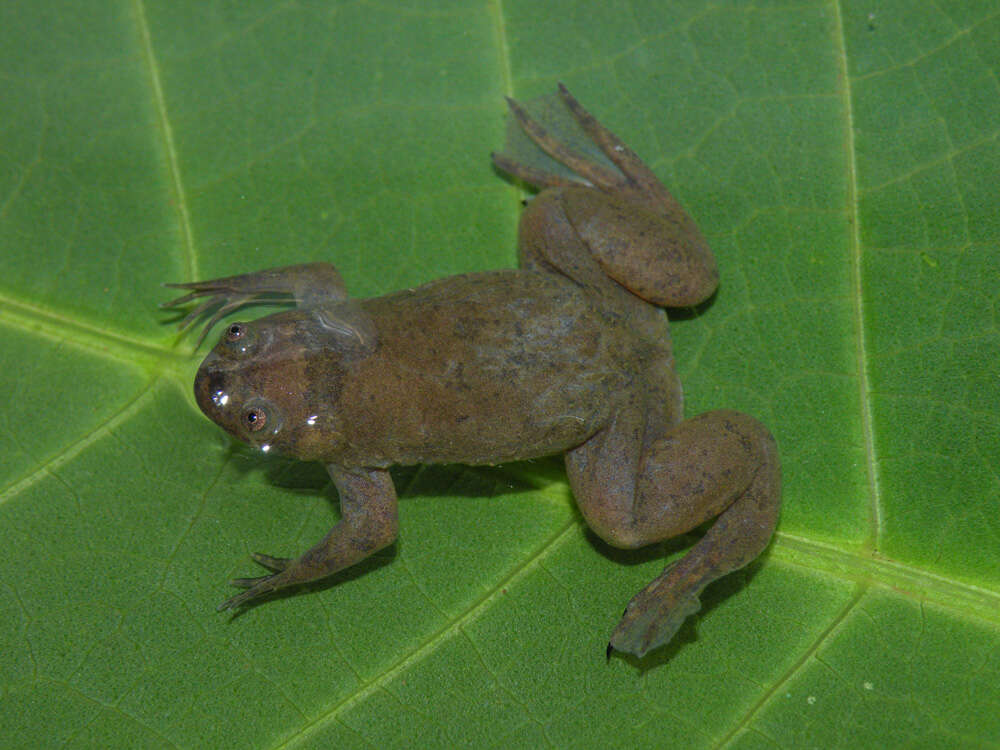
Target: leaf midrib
{"x":173,"y":163}
{"x":861,"y":342}
{"x":100,"y":342}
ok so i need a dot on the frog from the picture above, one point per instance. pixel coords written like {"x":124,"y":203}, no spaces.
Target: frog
{"x":570,"y":353}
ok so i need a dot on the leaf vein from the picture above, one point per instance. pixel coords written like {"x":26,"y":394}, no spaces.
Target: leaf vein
{"x":173,"y":162}
{"x":73,"y":449}
{"x":861,"y":343}
{"x":434,"y":640}
{"x":779,"y":684}
{"x":902,"y":578}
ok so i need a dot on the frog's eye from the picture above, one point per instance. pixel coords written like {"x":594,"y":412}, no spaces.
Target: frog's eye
{"x":235,"y":332}
{"x":255,"y":418}
{"x":259,"y":420}
{"x":240,"y":338}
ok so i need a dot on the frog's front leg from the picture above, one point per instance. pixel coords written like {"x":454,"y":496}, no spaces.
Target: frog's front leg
{"x":368,"y":523}
{"x":306,"y":284}
{"x":635,"y":488}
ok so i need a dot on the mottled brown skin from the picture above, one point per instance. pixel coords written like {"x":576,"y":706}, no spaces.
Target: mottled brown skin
{"x":570,"y":354}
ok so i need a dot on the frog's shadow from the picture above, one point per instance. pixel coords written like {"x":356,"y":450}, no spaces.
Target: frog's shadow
{"x":677,"y":314}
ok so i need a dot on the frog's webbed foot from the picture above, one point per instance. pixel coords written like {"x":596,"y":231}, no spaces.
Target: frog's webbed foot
{"x":638,"y":176}
{"x":630,"y":172}
{"x":654,"y":615}
{"x":586,"y":170}
{"x":531,"y":175}
{"x":589,"y":172}
{"x":600,"y":198}
{"x":304,"y":284}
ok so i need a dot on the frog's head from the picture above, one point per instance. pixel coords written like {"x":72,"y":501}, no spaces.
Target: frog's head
{"x":274,"y":382}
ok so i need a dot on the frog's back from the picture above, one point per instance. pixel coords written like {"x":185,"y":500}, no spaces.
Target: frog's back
{"x":484,"y":368}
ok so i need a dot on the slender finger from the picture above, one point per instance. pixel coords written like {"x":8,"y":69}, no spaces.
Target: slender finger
{"x":204,"y":286}
{"x":227,"y":308}
{"x":187,"y":297}
{"x":199,"y":310}
{"x":236,"y":601}
{"x":245,"y":583}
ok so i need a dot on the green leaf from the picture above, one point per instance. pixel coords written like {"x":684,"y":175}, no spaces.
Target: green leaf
{"x":842,"y":159}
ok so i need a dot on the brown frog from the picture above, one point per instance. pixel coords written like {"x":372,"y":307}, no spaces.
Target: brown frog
{"x":569,"y":354}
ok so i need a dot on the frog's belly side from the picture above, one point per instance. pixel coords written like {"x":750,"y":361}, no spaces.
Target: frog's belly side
{"x":484,"y":368}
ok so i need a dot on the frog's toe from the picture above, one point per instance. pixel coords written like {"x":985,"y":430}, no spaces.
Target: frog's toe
{"x":235,"y":601}
{"x":590,"y":171}
{"x":532,"y":175}
{"x":651,"y":619}
{"x":247,"y":583}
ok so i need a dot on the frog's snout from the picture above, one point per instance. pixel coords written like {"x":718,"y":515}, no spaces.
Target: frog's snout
{"x":210,"y":389}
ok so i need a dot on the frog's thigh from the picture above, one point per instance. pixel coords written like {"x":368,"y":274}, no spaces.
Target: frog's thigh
{"x":660,"y":257}
{"x":633,"y":490}
{"x":547,"y":241}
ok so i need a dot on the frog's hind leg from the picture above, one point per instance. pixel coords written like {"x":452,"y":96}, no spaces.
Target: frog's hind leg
{"x":634,"y":229}
{"x":720,"y":464}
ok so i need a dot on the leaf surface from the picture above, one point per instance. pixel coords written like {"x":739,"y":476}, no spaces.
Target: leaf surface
{"x":841,"y":158}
